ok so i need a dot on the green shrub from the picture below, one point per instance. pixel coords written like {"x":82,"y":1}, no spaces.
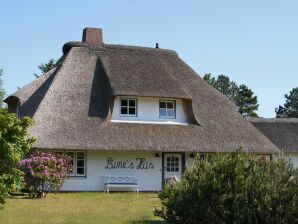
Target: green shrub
{"x":233,"y":188}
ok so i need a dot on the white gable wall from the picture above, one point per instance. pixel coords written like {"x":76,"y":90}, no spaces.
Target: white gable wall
{"x":148,"y":111}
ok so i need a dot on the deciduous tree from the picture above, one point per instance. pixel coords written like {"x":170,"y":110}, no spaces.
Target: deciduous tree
{"x":15,"y":141}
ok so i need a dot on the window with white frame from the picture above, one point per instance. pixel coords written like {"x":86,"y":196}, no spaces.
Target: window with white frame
{"x":80,"y":164}
{"x":167,"y":109}
{"x":77,"y":161}
{"x":128,"y":107}
{"x":71,"y":155}
{"x":173,"y":164}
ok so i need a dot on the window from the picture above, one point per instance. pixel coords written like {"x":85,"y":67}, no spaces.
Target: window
{"x":167,"y":109}
{"x":71,"y":162}
{"x":77,"y":161}
{"x":128,"y":107}
{"x":80,"y":163}
{"x":172,"y":164}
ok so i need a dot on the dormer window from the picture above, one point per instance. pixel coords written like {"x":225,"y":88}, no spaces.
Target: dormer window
{"x":167,"y":109}
{"x":128,"y":107}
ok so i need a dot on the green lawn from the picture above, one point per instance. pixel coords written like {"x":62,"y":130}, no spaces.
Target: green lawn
{"x":82,"y":208}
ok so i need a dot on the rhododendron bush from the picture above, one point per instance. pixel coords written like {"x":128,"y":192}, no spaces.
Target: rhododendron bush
{"x":44,"y":173}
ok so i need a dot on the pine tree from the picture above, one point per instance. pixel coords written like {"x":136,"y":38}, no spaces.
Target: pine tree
{"x":290,"y":108}
{"x":241,"y":96}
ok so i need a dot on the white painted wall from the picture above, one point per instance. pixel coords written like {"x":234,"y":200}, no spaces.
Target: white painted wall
{"x":148,"y":111}
{"x":149,"y":179}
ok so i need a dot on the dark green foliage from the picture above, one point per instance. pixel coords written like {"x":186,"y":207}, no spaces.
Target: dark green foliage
{"x":290,"y":108}
{"x":233,"y":188}
{"x":242,"y":96}
{"x":2,"y":92}
{"x":14,"y":142}
{"x":246,"y":102}
{"x":44,"y":68}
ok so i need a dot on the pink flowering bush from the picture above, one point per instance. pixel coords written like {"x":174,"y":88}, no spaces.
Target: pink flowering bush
{"x":44,"y":172}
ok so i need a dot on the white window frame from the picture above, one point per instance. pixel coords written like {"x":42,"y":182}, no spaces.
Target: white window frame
{"x":84,"y":174}
{"x":174,"y":108}
{"x":74,"y":172}
{"x":128,"y":106}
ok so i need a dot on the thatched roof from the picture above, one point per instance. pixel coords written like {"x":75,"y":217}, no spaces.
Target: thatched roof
{"x":72,"y":104}
{"x":283,"y":132}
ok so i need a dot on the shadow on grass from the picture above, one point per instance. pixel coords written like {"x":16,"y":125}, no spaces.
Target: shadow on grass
{"x":148,"y":222}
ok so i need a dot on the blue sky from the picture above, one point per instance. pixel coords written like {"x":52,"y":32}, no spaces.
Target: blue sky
{"x":254,"y":42}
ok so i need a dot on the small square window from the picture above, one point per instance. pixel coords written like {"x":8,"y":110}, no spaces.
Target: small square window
{"x":167,"y":109}
{"x":128,"y":107}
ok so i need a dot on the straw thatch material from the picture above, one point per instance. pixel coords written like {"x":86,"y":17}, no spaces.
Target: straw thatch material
{"x":72,"y":104}
{"x":283,"y":132}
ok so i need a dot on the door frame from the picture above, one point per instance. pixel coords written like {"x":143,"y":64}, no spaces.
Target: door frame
{"x":163,"y":164}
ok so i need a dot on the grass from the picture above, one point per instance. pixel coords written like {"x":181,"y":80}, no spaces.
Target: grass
{"x":84,"y":207}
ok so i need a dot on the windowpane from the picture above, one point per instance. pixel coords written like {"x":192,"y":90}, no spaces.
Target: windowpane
{"x":171,"y":113}
{"x":162,"y":105}
{"x":80,"y":171}
{"x":123,"y":110}
{"x":132,"y":111}
{"x":170,"y":105}
{"x":80,"y":163}
{"x":80,"y":155}
{"x":132,"y":103}
{"x":163,"y":112}
{"x":123,"y":102}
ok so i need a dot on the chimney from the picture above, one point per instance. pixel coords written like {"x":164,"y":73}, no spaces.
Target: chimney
{"x":92,"y":36}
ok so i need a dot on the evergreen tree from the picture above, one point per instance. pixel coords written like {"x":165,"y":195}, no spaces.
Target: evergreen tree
{"x":246,"y":102}
{"x":241,"y":96}
{"x":44,"y":68}
{"x":290,"y":108}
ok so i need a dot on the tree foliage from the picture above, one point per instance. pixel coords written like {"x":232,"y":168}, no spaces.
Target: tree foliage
{"x":44,"y":173}
{"x":15,"y":140}
{"x":241,"y":96}
{"x":290,"y":108}
{"x":233,"y":188}
{"x":44,"y":68}
{"x":2,"y":92}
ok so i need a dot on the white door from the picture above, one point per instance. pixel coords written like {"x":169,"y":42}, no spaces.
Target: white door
{"x":172,"y":165}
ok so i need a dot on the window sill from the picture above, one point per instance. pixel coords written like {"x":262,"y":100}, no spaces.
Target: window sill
{"x":151,"y":122}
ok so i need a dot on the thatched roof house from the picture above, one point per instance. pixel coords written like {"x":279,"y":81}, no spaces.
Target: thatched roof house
{"x":283,"y":132}
{"x":113,"y":105}
{"x":72,"y":104}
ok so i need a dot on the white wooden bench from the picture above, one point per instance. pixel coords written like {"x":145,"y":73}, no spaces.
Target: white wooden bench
{"x":121,"y":182}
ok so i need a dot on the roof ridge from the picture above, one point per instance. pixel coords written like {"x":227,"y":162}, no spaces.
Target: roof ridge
{"x":281,"y":120}
{"x":67,"y":46}
{"x":131,"y":47}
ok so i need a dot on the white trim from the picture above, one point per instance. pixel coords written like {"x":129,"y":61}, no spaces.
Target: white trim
{"x":128,"y":107}
{"x":150,"y":122}
{"x":80,"y":175}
